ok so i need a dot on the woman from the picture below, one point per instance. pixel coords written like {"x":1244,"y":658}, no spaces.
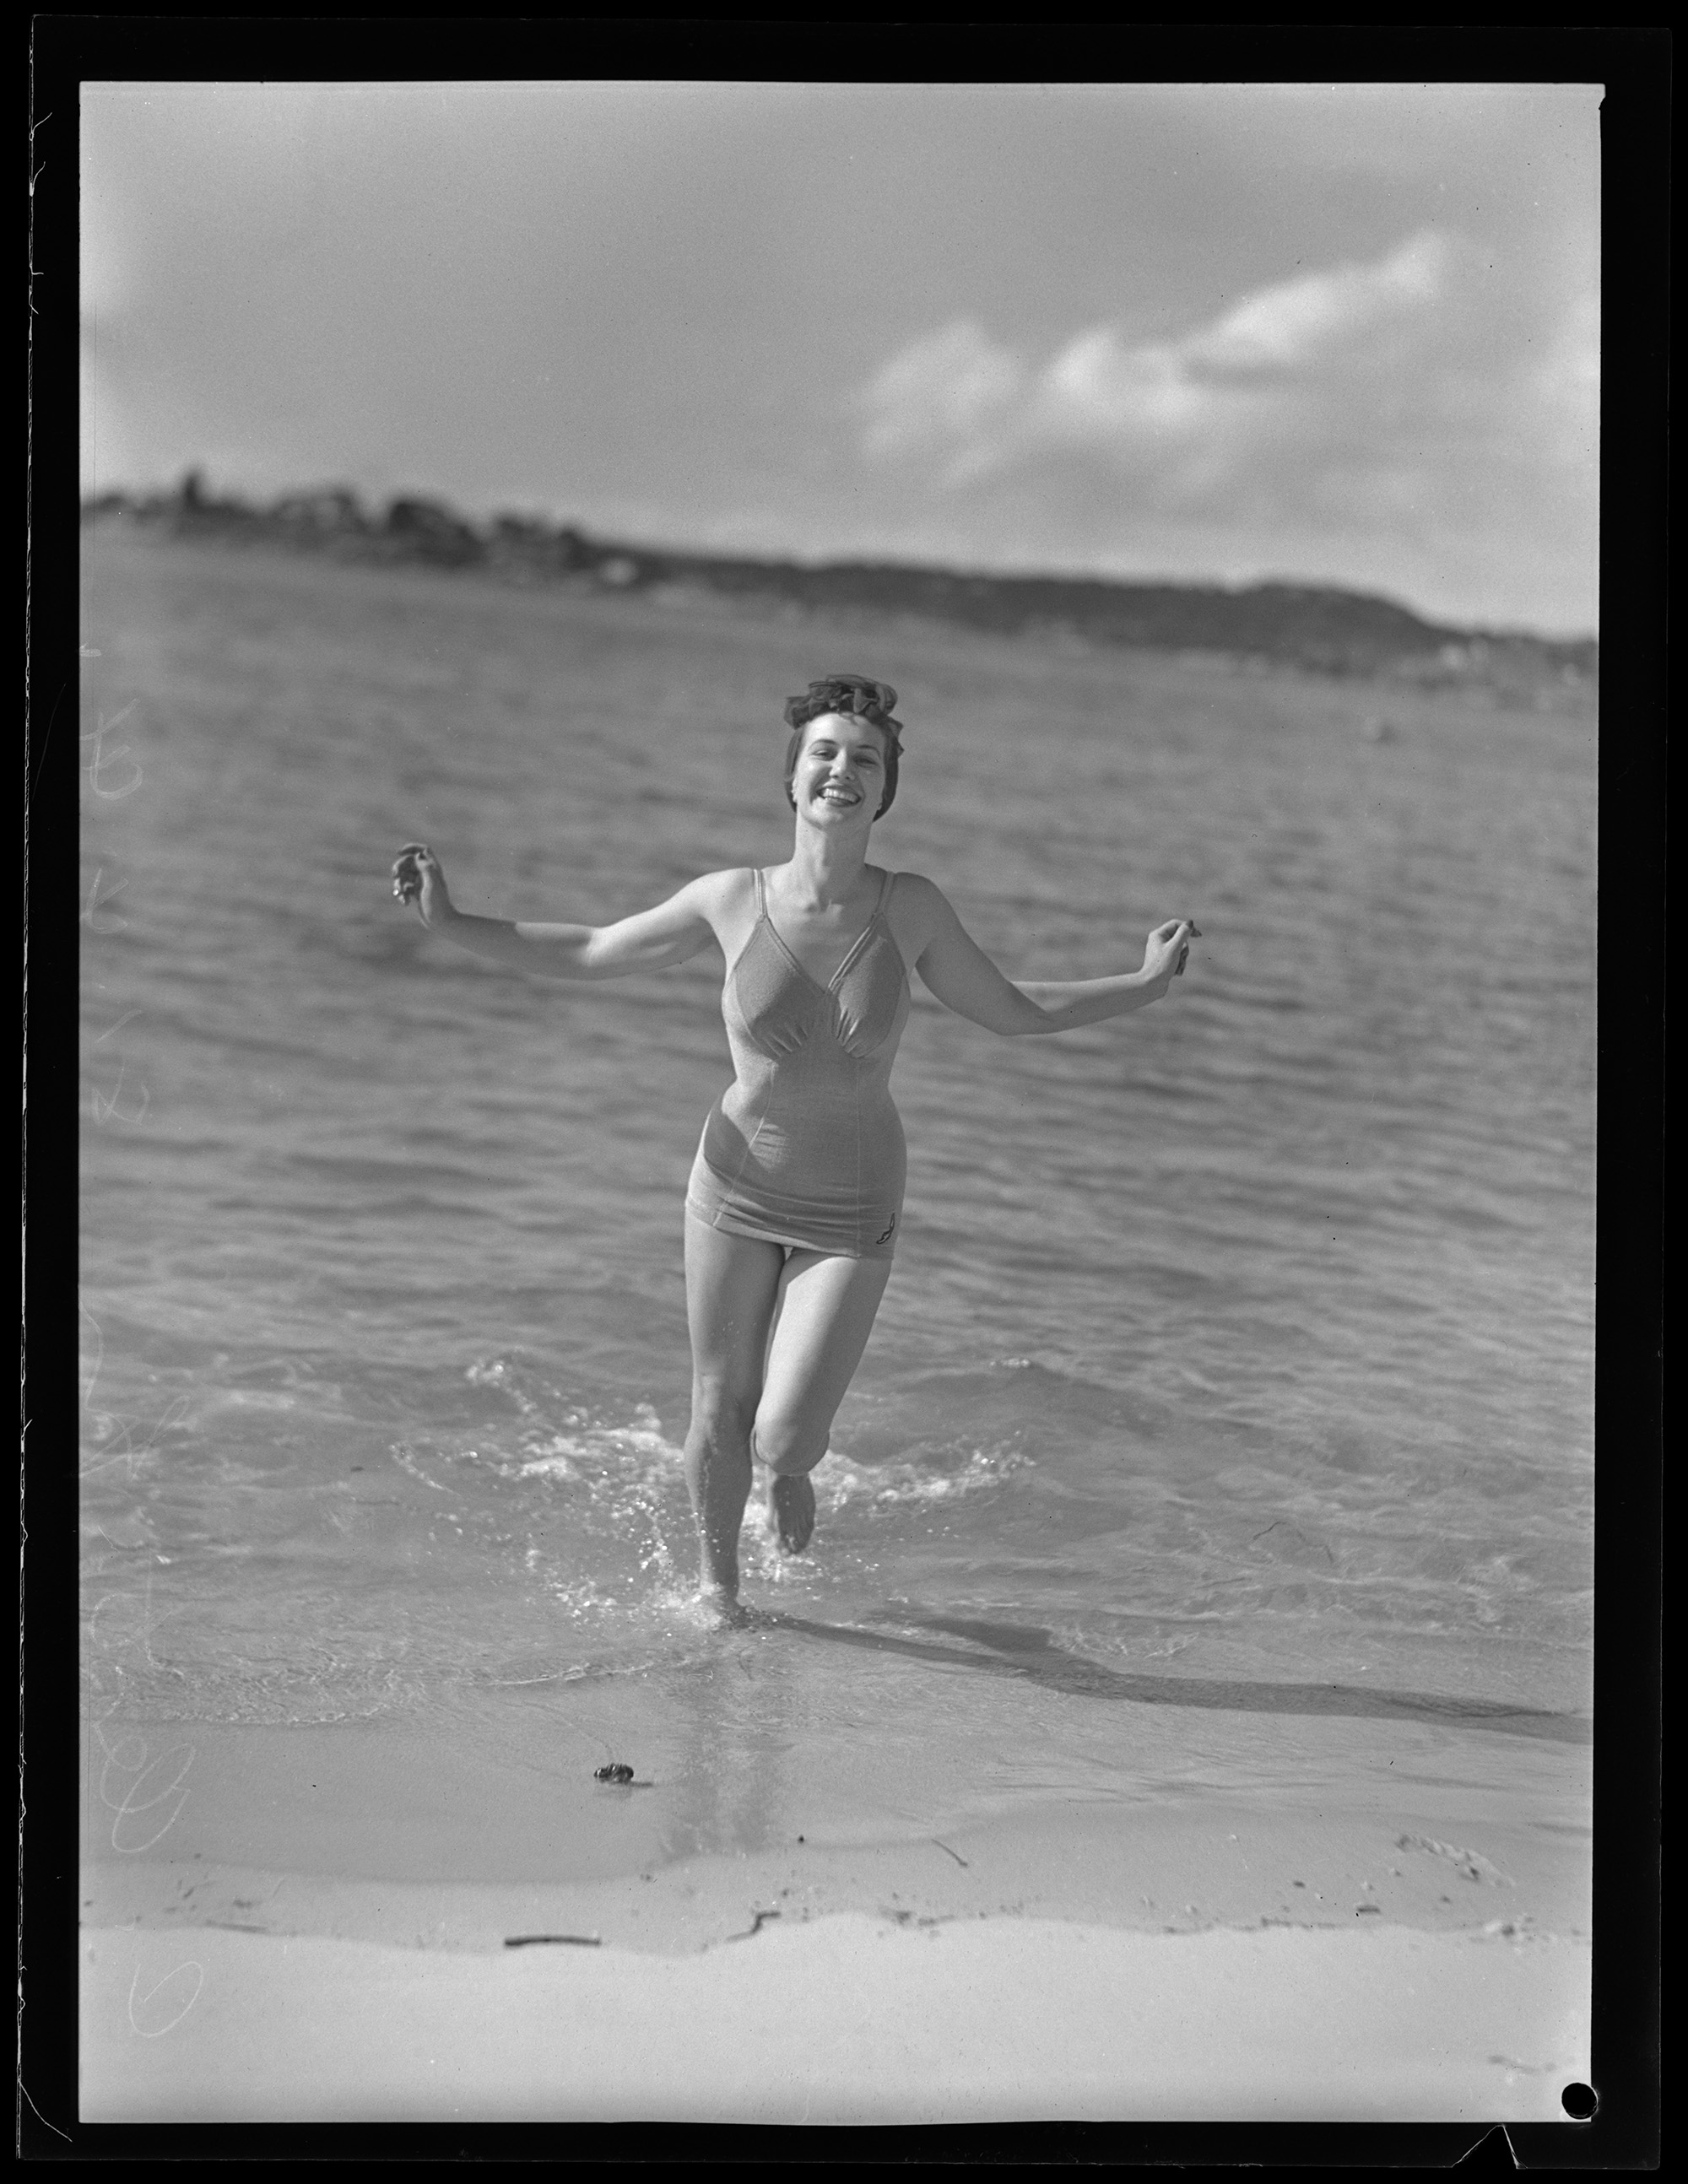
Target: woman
{"x":796,"y":1192}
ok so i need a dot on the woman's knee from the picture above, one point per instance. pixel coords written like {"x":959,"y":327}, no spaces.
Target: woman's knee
{"x":788,"y":1444}
{"x":723,"y":1410}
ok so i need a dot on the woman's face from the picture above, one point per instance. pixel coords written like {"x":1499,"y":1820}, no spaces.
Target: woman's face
{"x":839,"y":778}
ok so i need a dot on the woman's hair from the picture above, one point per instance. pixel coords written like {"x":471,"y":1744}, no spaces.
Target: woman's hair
{"x":863,"y":699}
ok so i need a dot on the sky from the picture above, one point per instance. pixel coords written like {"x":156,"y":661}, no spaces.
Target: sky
{"x":1343,"y":334}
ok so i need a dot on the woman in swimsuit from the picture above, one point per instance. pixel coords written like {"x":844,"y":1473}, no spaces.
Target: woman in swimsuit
{"x":797,"y":1189}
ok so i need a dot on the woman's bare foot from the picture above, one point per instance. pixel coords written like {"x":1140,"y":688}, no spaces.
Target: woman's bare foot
{"x":719,"y":1608}
{"x":791,"y":1509}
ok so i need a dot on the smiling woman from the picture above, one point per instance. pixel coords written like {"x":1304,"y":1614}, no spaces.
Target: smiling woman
{"x":797,"y":1189}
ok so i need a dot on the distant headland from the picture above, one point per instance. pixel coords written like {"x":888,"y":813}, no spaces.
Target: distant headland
{"x":1314,"y":627}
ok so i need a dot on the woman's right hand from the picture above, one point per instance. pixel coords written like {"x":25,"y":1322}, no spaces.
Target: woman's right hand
{"x":417,"y":878}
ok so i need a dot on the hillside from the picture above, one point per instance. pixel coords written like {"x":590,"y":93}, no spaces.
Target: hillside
{"x":1318,"y":628}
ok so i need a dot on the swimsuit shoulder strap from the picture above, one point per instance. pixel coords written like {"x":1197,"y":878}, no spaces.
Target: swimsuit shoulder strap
{"x":761,"y":919}
{"x":886,"y":886}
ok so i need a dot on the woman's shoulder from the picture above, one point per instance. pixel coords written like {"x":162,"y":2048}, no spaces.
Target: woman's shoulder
{"x":726,"y":900}
{"x":914,"y":892}
{"x":730,"y":885}
{"x":916,"y":908}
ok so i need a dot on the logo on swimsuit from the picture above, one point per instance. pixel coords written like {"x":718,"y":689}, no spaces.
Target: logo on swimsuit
{"x":880,"y":1239}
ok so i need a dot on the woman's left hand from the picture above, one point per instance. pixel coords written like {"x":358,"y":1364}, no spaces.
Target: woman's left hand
{"x":1169,"y":950}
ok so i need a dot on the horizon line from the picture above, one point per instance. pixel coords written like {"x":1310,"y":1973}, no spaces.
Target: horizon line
{"x":376,"y":503}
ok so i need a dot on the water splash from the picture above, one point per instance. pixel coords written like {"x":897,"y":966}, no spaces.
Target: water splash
{"x":930,"y":1472}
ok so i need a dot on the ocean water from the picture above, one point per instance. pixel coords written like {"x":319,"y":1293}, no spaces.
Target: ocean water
{"x":1241,"y":1346}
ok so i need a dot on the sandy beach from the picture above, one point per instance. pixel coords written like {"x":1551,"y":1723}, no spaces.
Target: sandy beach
{"x":363,"y":1921}
{"x":845,"y":2021}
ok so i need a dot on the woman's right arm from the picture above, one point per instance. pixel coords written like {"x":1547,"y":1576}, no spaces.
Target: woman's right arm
{"x":649,"y":940}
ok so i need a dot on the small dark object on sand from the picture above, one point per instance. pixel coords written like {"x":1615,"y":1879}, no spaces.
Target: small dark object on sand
{"x":616,"y":1771}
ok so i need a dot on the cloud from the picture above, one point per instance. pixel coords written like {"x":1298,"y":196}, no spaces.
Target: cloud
{"x":1319,"y":318}
{"x":1563,"y":388}
{"x":954,"y":388}
{"x":1371,"y":393}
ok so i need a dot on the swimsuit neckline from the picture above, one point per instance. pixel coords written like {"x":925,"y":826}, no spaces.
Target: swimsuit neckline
{"x":765,"y":918}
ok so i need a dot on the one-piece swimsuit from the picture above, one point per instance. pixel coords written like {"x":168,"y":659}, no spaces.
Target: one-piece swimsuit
{"x":805,"y":1147}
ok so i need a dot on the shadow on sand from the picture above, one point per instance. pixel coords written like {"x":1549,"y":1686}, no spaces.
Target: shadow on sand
{"x":1024,"y":1651}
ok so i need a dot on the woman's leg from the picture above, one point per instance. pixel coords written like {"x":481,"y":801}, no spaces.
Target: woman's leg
{"x":823,"y":1314}
{"x":731,"y":1285}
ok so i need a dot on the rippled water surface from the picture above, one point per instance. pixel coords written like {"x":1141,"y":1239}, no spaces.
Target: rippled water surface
{"x":1249,"y":1337}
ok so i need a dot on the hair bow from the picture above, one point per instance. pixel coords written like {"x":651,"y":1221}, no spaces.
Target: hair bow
{"x":860,"y":695}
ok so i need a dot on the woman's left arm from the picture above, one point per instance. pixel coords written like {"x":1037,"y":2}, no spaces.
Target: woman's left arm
{"x":957,"y":970}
